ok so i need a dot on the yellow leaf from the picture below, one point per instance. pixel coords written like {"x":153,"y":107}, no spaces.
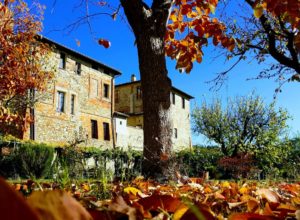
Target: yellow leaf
{"x":184,"y":43}
{"x":258,"y":11}
{"x":85,"y":187}
{"x":173,"y":17}
{"x":225,"y":184}
{"x":212,"y":8}
{"x":132,"y":190}
{"x":180,"y":212}
{"x":244,"y":190}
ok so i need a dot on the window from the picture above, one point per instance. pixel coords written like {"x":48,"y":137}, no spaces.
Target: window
{"x":138,"y":92}
{"x":106,"y":131}
{"x":106,"y":90}
{"x":183,"y":102}
{"x":60,"y":101}
{"x":62,"y":61}
{"x":94,"y":125}
{"x":94,"y":88}
{"x":72,"y":104}
{"x":78,"y":68}
{"x":175,"y":133}
{"x":173,"y":98}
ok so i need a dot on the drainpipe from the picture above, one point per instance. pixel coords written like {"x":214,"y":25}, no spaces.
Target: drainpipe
{"x":32,"y":115}
{"x":112,"y":110}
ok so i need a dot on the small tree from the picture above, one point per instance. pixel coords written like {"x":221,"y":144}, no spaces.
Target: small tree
{"x":23,"y":60}
{"x":245,"y":125}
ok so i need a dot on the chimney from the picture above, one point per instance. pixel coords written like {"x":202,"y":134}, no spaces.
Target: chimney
{"x":133,"y":78}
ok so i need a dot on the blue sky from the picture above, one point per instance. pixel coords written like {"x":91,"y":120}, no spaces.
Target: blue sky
{"x":122,"y":55}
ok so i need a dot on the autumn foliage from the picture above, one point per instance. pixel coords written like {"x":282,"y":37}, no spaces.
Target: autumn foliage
{"x":190,"y":26}
{"x":141,"y":199}
{"x":22,"y":60}
{"x":289,"y":9}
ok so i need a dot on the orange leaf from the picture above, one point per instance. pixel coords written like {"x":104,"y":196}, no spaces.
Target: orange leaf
{"x":180,"y":212}
{"x":104,"y":43}
{"x":57,"y":205}
{"x":258,"y":11}
{"x":198,"y":212}
{"x":250,"y":216}
{"x":287,"y":207}
{"x":252,"y":205}
{"x":267,"y":210}
{"x":165,"y":202}
{"x":13,"y":206}
{"x":78,"y":42}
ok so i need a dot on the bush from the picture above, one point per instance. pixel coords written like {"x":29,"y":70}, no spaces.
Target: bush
{"x":239,"y":166}
{"x":34,"y":160}
{"x":26,"y":160}
{"x":195,"y":162}
{"x":123,"y":164}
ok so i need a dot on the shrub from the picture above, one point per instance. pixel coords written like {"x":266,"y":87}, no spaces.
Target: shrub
{"x":34,"y":160}
{"x":239,"y":166}
{"x":195,"y":162}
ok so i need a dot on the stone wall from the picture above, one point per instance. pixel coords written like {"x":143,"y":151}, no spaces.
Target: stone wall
{"x":90,"y":104}
{"x":181,"y":121}
{"x":135,"y":138}
{"x":126,"y":102}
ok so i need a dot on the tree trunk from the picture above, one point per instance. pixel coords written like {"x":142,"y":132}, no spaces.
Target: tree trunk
{"x":149,"y":26}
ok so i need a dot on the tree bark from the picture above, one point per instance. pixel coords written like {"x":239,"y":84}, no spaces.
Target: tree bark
{"x":149,"y":27}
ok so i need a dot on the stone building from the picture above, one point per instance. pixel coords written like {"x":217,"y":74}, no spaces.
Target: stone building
{"x":129,"y":105}
{"x":78,"y":100}
{"x":83,"y":102}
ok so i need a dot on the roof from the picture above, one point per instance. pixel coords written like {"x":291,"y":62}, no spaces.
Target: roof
{"x":107,"y":69}
{"x":174,"y":89}
{"x":121,"y":115}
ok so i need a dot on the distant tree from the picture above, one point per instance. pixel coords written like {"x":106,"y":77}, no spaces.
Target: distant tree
{"x":23,"y":61}
{"x":291,"y":166}
{"x":267,"y":28}
{"x":245,"y":125}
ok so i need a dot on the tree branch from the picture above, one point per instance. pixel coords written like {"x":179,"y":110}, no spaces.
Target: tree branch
{"x":281,"y":58}
{"x":137,"y":13}
{"x":161,"y":11}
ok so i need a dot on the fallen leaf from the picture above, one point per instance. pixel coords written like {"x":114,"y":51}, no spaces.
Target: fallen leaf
{"x":119,"y":205}
{"x":235,"y":204}
{"x":267,"y":210}
{"x":180,"y":212}
{"x":250,"y":216}
{"x":165,"y":202}
{"x":132,"y":190}
{"x":252,"y":205}
{"x":269,"y":195}
{"x":57,"y":205}
{"x":13,"y":206}
{"x":198,"y":213}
